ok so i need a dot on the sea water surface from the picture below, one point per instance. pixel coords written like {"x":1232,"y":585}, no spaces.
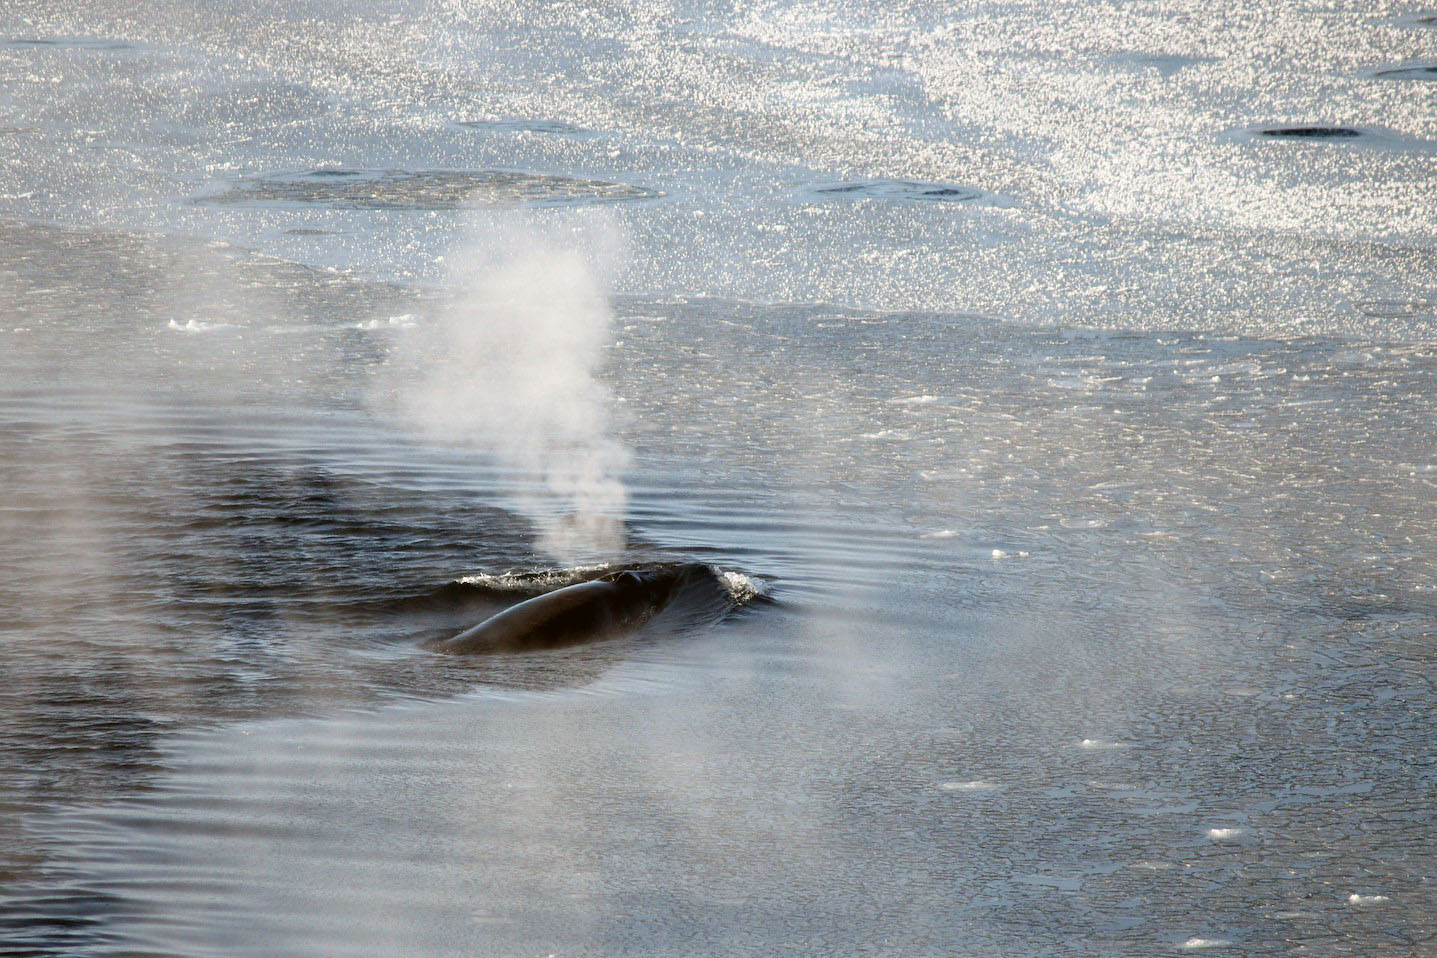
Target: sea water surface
{"x":1050,"y":387}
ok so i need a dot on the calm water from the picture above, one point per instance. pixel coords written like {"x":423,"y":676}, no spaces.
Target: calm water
{"x":1052,"y":388}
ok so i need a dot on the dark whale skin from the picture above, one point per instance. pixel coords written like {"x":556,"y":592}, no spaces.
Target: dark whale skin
{"x":584,"y":612}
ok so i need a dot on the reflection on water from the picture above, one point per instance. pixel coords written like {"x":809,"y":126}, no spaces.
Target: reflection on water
{"x":423,"y":189}
{"x":899,"y":190}
{"x":547,"y":127}
{"x":1310,"y":132}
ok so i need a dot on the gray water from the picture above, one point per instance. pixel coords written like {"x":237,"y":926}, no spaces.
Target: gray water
{"x":1051,"y":388}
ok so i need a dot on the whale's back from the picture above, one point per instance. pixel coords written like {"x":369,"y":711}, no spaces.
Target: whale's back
{"x":598,"y":609}
{"x":585,"y":612}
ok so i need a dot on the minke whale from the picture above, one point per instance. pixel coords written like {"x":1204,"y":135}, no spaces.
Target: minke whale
{"x":609,"y":606}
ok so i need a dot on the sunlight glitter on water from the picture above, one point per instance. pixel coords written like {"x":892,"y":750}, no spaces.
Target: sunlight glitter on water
{"x":1050,"y":390}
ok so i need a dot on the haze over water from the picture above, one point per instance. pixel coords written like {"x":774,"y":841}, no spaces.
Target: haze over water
{"x":1051,"y":385}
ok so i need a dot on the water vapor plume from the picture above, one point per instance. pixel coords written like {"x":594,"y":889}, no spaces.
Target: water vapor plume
{"x":511,"y":366}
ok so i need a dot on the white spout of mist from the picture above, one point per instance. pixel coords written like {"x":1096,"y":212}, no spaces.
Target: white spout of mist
{"x":511,"y":366}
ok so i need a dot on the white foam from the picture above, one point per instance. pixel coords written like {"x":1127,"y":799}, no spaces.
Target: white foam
{"x":1099,"y":744}
{"x":1082,"y":523}
{"x":1195,"y":943}
{"x":976,"y":785}
{"x":743,"y":588}
{"x":402,"y":321}
{"x":525,"y":580}
{"x":197,"y":326}
{"x":940,"y":534}
{"x":1355,"y":899}
{"x":1225,"y":834}
{"x":923,"y":400}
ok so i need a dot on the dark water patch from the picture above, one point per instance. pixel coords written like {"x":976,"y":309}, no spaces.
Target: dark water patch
{"x":189,"y":585}
{"x":358,"y":189}
{"x":46,"y":920}
{"x":458,"y":600}
{"x":308,"y":232}
{"x":191,"y":582}
{"x":1320,"y":134}
{"x":1167,"y":65}
{"x":1394,"y":308}
{"x":576,"y":667}
{"x":900,"y":190}
{"x":1423,"y":72}
{"x":546,"y":127}
{"x":1309,"y":132}
{"x":1426,"y":21}
{"x":69,"y":43}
